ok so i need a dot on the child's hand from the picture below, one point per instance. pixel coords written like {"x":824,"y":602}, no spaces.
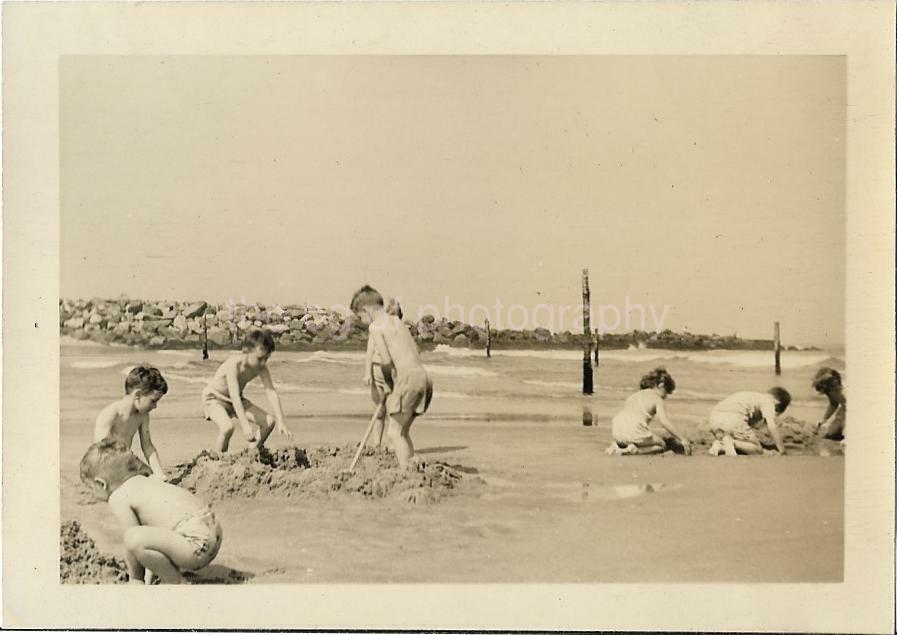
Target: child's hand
{"x":160,"y":476}
{"x":366,"y":379}
{"x":686,"y":446}
{"x":282,"y":429}
{"x":249,"y":433}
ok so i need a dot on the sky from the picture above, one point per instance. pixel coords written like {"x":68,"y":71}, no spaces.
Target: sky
{"x":711,"y":189}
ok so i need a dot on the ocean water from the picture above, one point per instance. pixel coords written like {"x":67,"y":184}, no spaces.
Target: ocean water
{"x":519,"y":387}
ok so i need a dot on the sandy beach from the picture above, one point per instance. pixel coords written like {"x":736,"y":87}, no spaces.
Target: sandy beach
{"x":541,"y":502}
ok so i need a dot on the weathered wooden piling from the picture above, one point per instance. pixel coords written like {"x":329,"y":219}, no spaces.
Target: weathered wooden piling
{"x":488,"y":339}
{"x":205,"y":338}
{"x":777,"y":347}
{"x":587,"y":380}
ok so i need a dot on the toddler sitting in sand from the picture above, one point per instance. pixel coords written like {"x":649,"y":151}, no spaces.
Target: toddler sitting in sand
{"x":630,"y":426}
{"x":223,"y":398}
{"x":732,"y":421}
{"x":144,"y":387}
{"x":834,"y":422}
{"x":381,"y":383}
{"x":396,"y":349}
{"x":166,"y":528}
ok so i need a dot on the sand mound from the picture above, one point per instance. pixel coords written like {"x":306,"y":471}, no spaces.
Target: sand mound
{"x":81,"y":563}
{"x":318,"y":473}
{"x":799,"y":436}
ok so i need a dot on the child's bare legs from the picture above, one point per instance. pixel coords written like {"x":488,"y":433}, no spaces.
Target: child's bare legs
{"x":650,"y":445}
{"x":256,"y":414}
{"x":399,"y":426}
{"x":746,"y":447}
{"x":376,"y":439}
{"x":161,"y":550}
{"x":225,"y":424}
{"x":734,"y":447}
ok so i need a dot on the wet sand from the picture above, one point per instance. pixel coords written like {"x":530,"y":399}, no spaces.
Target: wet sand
{"x":553,"y":508}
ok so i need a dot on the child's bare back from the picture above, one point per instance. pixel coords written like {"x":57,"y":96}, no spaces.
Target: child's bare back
{"x":155,"y":504}
{"x":402,"y":347}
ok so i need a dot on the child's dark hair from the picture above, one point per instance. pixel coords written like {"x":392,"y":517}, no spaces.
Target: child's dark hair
{"x":782,"y":397}
{"x":365,"y":296}
{"x":146,"y":379}
{"x":658,"y":376}
{"x":111,"y":460}
{"x":260,"y":338}
{"x":827,"y":380}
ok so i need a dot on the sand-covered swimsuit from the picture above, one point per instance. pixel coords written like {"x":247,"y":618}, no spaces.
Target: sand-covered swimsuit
{"x":202,"y":531}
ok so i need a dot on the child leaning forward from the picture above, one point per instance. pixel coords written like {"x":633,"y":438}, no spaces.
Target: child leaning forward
{"x":631,"y":431}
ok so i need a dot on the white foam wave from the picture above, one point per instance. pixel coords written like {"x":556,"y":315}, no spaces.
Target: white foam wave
{"x":329,"y":357}
{"x":747,"y":359}
{"x":458,"y":371}
{"x":89,"y":364}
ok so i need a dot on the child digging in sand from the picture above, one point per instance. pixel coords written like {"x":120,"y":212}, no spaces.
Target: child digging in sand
{"x":381,"y":383}
{"x":166,"y":528}
{"x":144,"y":387}
{"x":395,"y":348}
{"x":630,"y":427}
{"x":834,"y":422}
{"x":223,"y":399}
{"x":732,"y":421}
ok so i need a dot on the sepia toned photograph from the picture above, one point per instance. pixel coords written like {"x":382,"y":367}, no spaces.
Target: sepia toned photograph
{"x":441,"y":320}
{"x":448,"y":318}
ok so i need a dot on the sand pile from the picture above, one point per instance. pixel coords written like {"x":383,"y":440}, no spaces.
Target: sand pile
{"x":318,"y":473}
{"x":81,"y":563}
{"x":799,"y":436}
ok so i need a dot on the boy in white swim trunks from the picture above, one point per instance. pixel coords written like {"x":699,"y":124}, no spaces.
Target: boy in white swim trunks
{"x":125,"y":417}
{"x":630,"y":426}
{"x":396,"y":350}
{"x":732,"y":421}
{"x":167,"y":529}
{"x":381,"y":383}
{"x":223,"y":399}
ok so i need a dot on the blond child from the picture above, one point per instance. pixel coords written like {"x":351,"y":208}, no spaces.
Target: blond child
{"x":223,"y":400}
{"x":144,"y":387}
{"x":397,"y":351}
{"x":732,"y":421}
{"x":167,"y":529}
{"x":630,"y":426}
{"x":381,"y":383}
{"x":834,"y":422}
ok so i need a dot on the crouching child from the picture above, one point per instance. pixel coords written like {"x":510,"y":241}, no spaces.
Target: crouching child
{"x":167,"y":530}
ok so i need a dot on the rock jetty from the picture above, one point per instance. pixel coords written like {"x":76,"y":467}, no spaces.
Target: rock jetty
{"x":178,"y":325}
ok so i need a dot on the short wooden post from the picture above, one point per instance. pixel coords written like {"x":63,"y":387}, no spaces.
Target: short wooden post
{"x":777,"y":347}
{"x":205,"y":338}
{"x":488,"y":340}
{"x":587,"y":380}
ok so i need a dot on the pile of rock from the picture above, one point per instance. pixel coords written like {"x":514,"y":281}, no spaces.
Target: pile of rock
{"x":169,"y":324}
{"x":166,"y":324}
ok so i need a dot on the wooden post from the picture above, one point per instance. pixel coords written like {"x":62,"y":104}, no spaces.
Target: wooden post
{"x":205,"y":338}
{"x":587,"y":381}
{"x":488,"y":340}
{"x":777,"y":347}
{"x":597,"y":340}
